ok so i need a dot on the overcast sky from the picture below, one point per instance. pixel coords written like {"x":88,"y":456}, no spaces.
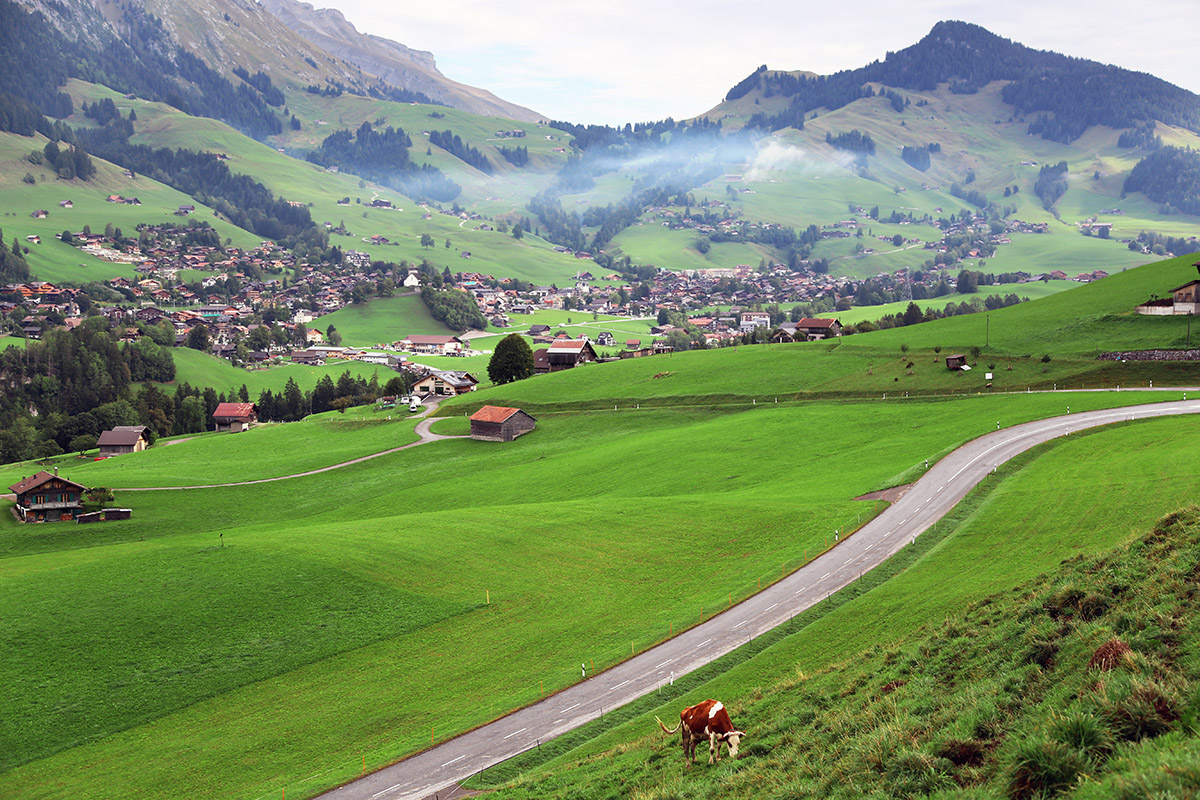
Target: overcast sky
{"x":623,"y":61}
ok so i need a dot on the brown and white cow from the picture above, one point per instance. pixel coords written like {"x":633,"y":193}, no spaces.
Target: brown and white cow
{"x":708,"y":720}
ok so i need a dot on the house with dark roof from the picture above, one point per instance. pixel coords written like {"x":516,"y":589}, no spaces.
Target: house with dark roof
{"x":123,"y":439}
{"x":568,"y":353}
{"x":500,"y":424}
{"x":234,"y":417}
{"x":46,"y":497}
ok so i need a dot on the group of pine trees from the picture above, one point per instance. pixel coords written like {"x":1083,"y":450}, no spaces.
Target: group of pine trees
{"x":382,"y":155}
{"x":454,"y":308}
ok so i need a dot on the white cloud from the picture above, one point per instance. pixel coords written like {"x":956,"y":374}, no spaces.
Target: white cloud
{"x":621,"y":61}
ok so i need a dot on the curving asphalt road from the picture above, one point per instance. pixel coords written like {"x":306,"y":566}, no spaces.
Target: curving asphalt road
{"x":942,"y":486}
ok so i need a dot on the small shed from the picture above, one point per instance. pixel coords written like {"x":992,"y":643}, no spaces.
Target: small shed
{"x":500,"y":424}
{"x":956,"y":362}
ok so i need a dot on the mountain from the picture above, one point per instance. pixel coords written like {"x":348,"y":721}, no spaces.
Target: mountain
{"x":1063,"y":95}
{"x":290,"y":43}
{"x":393,"y":62}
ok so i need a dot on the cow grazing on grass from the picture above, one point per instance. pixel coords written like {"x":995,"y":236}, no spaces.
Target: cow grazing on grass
{"x":708,"y":720}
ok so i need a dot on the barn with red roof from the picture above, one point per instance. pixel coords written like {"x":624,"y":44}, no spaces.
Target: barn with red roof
{"x":235,"y":417}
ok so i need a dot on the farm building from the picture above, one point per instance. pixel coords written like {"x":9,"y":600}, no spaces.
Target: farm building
{"x":123,"y":439}
{"x":445,"y":382}
{"x":956,"y":362}
{"x":811,"y":329}
{"x":567,"y":353}
{"x":500,"y":424}
{"x":438,"y":345}
{"x":46,"y":497}
{"x":235,"y":417}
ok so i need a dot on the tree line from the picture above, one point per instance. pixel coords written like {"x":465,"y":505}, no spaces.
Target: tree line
{"x":452,"y":143}
{"x":454,"y":308}
{"x":1170,"y":176}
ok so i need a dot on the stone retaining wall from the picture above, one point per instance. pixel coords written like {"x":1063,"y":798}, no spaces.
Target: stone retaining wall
{"x":1152,"y":355}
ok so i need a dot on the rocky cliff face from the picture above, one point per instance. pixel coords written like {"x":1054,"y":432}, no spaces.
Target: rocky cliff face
{"x":391,"y":61}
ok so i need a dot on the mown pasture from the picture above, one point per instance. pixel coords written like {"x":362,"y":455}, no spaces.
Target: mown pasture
{"x":566,"y":532}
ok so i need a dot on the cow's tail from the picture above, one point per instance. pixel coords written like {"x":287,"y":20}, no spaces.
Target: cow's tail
{"x":665,"y":728}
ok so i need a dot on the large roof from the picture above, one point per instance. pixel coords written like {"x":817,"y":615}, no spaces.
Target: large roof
{"x":428,"y":339}
{"x":124,"y":436}
{"x":815,"y":323}
{"x":37,"y":479}
{"x":495,"y":414}
{"x":568,"y":345}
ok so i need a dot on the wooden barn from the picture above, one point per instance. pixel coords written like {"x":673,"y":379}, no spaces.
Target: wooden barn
{"x":500,"y":424}
{"x":569,"y":353}
{"x":123,"y":439}
{"x":234,"y":417}
{"x":48,"y":498}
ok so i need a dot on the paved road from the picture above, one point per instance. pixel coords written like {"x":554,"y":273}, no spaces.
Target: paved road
{"x":945,"y":483}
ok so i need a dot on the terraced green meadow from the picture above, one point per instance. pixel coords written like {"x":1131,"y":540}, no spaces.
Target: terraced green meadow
{"x":432,"y":534}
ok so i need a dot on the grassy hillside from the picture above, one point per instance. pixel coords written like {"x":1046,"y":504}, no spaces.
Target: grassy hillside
{"x":381,"y":321}
{"x":972,"y":668}
{"x":1071,"y":327}
{"x":532,"y":259}
{"x":535,"y":526}
{"x":54,"y":261}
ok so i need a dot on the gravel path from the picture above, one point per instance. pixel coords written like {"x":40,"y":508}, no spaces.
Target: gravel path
{"x":422,"y":430}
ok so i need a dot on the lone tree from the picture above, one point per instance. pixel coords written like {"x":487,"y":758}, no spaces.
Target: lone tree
{"x":511,"y":361}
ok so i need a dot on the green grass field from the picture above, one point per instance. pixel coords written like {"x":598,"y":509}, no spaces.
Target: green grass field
{"x":250,"y":640}
{"x":381,"y":321}
{"x":395,"y":522}
{"x":1071,"y":327}
{"x":201,"y":369}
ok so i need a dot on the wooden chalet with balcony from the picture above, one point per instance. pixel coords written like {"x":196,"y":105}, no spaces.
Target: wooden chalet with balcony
{"x":46,"y":497}
{"x":444,"y":383}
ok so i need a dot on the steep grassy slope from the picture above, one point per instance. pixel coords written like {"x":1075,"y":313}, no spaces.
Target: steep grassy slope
{"x":972,"y":668}
{"x":54,"y":261}
{"x":532,"y":259}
